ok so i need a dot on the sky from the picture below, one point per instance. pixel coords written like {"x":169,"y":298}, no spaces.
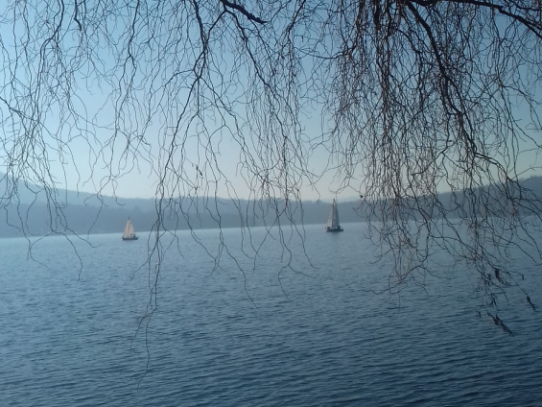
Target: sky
{"x":80,"y":144}
{"x":95,"y":144}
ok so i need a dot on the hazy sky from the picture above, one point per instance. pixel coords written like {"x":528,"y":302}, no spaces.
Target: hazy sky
{"x":81,"y":146}
{"x":94,"y":143}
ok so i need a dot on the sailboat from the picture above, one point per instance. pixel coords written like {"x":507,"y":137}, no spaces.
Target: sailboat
{"x":333,"y":221}
{"x":129,"y":233}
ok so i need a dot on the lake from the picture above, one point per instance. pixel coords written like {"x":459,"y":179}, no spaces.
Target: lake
{"x":299,"y":327}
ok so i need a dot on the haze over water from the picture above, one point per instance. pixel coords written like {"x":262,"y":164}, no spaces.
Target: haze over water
{"x":312,"y":336}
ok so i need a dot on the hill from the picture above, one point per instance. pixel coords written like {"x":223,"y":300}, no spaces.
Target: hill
{"x":28,"y":212}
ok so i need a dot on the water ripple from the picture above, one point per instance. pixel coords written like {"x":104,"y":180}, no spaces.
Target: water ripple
{"x":75,"y":342}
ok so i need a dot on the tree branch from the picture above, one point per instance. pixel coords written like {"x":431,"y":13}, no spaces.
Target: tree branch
{"x":243,"y":11}
{"x":535,"y":28}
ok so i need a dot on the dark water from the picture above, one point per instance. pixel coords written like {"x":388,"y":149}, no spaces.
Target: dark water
{"x":260,"y":336}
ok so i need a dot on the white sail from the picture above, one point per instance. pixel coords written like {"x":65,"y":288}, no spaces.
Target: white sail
{"x":336,"y":223}
{"x":129,"y":231}
{"x":331,"y":216}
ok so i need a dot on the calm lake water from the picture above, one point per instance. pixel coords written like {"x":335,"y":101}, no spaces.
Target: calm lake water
{"x":252,"y":333}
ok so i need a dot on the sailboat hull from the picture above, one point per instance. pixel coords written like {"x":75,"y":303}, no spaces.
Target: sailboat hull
{"x":130,"y":238}
{"x":339,"y":229}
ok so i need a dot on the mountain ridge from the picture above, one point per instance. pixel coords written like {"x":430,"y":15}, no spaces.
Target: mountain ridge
{"x":83,"y":213}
